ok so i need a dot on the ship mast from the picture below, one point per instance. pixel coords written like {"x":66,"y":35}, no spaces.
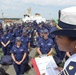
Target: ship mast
{"x":29,"y":11}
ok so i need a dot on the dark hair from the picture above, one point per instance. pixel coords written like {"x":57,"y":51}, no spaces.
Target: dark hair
{"x":72,"y":38}
{"x":2,"y":72}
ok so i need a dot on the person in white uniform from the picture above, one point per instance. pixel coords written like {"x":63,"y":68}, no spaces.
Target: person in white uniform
{"x":66,"y":39}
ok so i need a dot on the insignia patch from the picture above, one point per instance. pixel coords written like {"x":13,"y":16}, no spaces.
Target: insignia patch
{"x":71,"y":67}
{"x":49,"y":44}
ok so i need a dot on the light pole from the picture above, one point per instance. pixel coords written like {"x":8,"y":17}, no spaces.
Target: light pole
{"x":2,"y":15}
{"x":49,"y":16}
{"x":2,"y":18}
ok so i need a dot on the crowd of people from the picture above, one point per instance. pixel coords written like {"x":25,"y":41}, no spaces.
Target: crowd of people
{"x":17,"y":39}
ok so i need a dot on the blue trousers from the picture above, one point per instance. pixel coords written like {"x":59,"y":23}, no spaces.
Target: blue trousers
{"x":20,"y":69}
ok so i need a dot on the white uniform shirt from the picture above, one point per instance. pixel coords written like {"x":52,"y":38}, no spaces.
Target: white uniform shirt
{"x":72,"y":58}
{"x":70,"y":66}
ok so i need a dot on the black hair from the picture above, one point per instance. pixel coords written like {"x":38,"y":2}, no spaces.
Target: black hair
{"x":72,"y":38}
{"x":2,"y":72}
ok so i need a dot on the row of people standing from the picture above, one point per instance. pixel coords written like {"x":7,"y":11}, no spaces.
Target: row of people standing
{"x":16,"y":41}
{"x":26,"y":32}
{"x":8,"y":37}
{"x":9,"y":34}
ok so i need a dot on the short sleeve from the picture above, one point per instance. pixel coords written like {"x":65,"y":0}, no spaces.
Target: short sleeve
{"x":39,"y":43}
{"x":37,"y":39}
{"x":1,"y":38}
{"x":12,"y":50}
{"x":29,"y":39}
{"x":25,"y":49}
{"x":52,"y":43}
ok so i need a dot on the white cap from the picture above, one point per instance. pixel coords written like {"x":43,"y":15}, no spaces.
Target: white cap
{"x":68,"y":15}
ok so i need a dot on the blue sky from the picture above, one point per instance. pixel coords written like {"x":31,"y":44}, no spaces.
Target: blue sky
{"x":47,"y":8}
